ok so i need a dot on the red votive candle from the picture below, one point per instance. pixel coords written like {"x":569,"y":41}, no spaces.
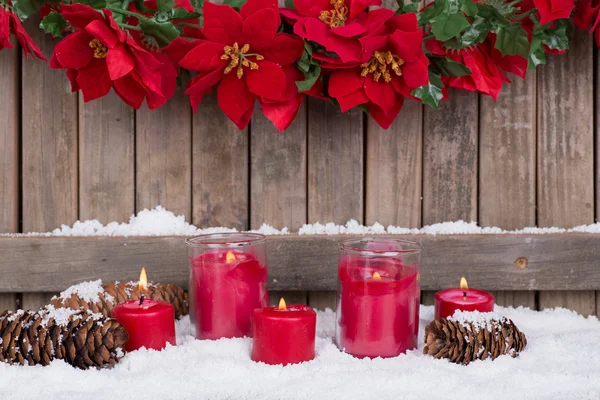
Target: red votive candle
{"x":378,"y":297}
{"x":284,"y":334}
{"x":227,"y":282}
{"x":449,"y":300}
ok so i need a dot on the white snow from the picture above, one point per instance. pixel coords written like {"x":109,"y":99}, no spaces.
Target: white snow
{"x":87,"y":291}
{"x":161,"y":222}
{"x":561,"y":361}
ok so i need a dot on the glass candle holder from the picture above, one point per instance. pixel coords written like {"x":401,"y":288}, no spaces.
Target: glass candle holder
{"x":378,"y":297}
{"x":228,"y":276}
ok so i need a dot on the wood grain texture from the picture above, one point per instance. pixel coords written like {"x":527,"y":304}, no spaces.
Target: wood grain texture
{"x":220,"y":169}
{"x":106,"y":160}
{"x":36,"y":300}
{"x":335,"y":163}
{"x":9,"y":139}
{"x":49,"y":129}
{"x":584,"y":302}
{"x":450,"y":159}
{"x":394,"y":169}
{"x":515,"y":298}
{"x":507,"y":151}
{"x":164,"y":157}
{"x":323,"y":299}
{"x":8,"y":301}
{"x":278,"y":173}
{"x":555,"y":261}
{"x":427,"y":297}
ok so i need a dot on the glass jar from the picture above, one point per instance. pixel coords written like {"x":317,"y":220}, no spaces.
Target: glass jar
{"x":378,"y":296}
{"x":228,"y":276}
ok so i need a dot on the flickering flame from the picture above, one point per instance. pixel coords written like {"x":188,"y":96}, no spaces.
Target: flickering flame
{"x":282,"y":305}
{"x":376,"y":276}
{"x":463,"y":283}
{"x":230,"y":257}
{"x":143,"y":285}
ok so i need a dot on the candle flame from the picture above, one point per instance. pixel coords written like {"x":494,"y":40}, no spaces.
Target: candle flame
{"x":143,"y":285}
{"x":282,"y":305}
{"x":463,"y":283}
{"x":376,"y":276}
{"x":230,"y":257}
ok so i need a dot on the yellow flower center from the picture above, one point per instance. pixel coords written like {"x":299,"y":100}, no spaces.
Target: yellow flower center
{"x":100,"y":50}
{"x":239,"y":59}
{"x":380,"y":64}
{"x":336,"y":17}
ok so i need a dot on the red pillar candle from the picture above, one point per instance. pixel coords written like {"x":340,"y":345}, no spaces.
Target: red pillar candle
{"x":227,"y":282}
{"x":379,"y":296}
{"x":284,"y":334}
{"x":449,"y":300}
{"x":149,"y":323}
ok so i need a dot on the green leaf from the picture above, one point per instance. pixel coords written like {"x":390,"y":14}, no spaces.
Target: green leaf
{"x":512,"y":40}
{"x":449,"y":67}
{"x":54,"y":24}
{"x":198,"y":5}
{"x":476,"y":33}
{"x":430,"y":94}
{"x":183,"y":14}
{"x":26,"y":8}
{"x":235,"y":3}
{"x":557,"y":38}
{"x":163,"y":32}
{"x":165,"y":5}
{"x":310,"y":78}
{"x":97,"y":4}
{"x":469,"y":7}
{"x":445,"y":27}
{"x":409,"y":8}
{"x":289,"y":4}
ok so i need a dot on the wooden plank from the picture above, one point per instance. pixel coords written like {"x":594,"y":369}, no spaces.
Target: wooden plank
{"x":566,"y":150}
{"x":394,"y":169}
{"x":290,"y":297}
{"x":164,"y":157}
{"x":584,"y":302}
{"x":49,"y":129}
{"x":220,"y":169}
{"x":323,"y":299}
{"x":106,"y":160}
{"x":9,"y":139}
{"x":555,"y":261}
{"x":8,"y":301}
{"x":335,"y":163}
{"x":36,"y":300}
{"x":427,"y":297}
{"x":450,"y":159}
{"x":515,"y":298}
{"x":278,"y":175}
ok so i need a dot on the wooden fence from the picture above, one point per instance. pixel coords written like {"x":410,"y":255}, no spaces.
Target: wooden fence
{"x":527,"y":160}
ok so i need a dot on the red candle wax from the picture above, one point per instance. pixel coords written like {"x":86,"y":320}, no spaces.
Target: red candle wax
{"x":379,"y":307}
{"x":150,"y":324}
{"x":226,"y":290}
{"x":284,"y":336}
{"x":449,"y":300}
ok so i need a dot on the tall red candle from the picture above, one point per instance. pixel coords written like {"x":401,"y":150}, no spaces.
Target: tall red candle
{"x":226,"y":285}
{"x":379,"y":296}
{"x":284,"y":334}
{"x":449,"y":300}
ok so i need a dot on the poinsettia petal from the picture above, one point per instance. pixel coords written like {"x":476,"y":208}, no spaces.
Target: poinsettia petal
{"x":359,"y":6}
{"x":74,"y":51}
{"x":222,"y":24}
{"x":252,"y":6}
{"x":551,"y":10}
{"x":290,"y":15}
{"x":312,"y":29}
{"x":72,"y":75}
{"x":284,"y":49}
{"x":201,"y":83}
{"x":282,"y":114}
{"x":114,"y":25}
{"x":344,"y":82}
{"x":348,"y":49}
{"x":385,"y":119}
{"x":350,"y":29}
{"x":130,"y":91}
{"x":260,"y":27}
{"x":380,"y":93}
{"x":312,"y":8}
{"x":235,"y":100}
{"x":404,"y":22}
{"x":375,"y":19}
{"x":407,"y":45}
{"x":179,"y":48}
{"x":352,"y":100}
{"x":185,"y":4}
{"x":79,"y":15}
{"x":370,"y":44}
{"x":436,"y":47}
{"x":204,"y":57}
{"x":119,"y":62}
{"x":94,"y":80}
{"x":415,"y":73}
{"x":101,"y":31}
{"x":268,"y":81}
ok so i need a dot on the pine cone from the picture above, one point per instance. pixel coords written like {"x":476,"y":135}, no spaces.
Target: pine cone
{"x":463,"y":342}
{"x":80,"y":338}
{"x":116,"y":293}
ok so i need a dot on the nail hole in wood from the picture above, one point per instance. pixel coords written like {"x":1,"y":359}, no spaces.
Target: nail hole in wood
{"x":521,"y":262}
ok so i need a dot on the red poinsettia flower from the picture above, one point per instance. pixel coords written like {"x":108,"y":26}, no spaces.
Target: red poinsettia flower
{"x":99,"y":56}
{"x":587,"y":17}
{"x":11,"y":24}
{"x":249,"y":60}
{"x":550,"y":10}
{"x":390,"y":67}
{"x":337,"y":24}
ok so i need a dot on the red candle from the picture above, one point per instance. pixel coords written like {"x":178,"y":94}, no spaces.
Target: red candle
{"x":227,"y":286}
{"x":378,"y":315}
{"x":284,"y":334}
{"x":464,"y":299}
{"x":149,"y":323}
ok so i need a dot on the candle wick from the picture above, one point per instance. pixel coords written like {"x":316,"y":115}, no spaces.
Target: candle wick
{"x":465,"y":295}
{"x":141,"y":299}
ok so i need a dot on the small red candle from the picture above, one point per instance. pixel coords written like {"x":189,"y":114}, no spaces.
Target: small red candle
{"x":149,"y":323}
{"x":227,"y":285}
{"x":449,"y":300}
{"x":284,"y":334}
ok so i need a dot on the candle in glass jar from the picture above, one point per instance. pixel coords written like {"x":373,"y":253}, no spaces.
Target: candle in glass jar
{"x":284,"y":334}
{"x":450,"y":300}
